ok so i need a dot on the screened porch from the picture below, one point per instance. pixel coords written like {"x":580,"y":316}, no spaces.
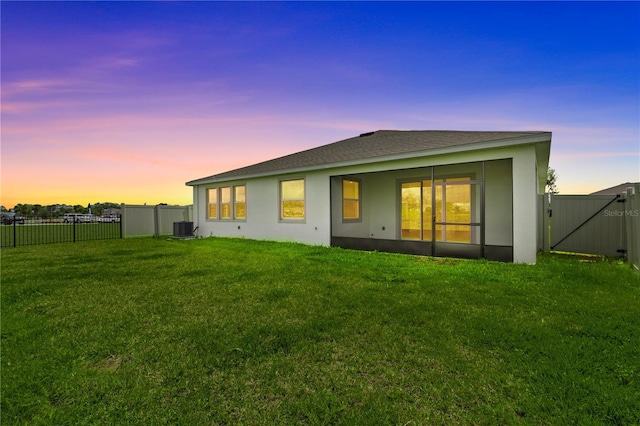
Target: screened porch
{"x":457,"y":210}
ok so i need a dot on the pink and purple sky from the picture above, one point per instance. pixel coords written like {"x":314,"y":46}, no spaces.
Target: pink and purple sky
{"x":126,"y":101}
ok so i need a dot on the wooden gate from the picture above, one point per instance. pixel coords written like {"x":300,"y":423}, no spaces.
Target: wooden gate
{"x":592,"y":224}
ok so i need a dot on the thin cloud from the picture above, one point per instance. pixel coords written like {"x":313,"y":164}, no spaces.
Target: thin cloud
{"x":23,"y":89}
{"x":36,"y":86}
{"x":607,"y":154}
{"x":115,"y":62}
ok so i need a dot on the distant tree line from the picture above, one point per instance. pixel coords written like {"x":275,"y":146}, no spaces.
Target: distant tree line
{"x":57,"y":210}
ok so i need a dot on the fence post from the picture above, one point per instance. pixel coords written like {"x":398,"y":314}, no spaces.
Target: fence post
{"x":123,"y":218}
{"x":73,"y":220}
{"x":156,"y":221}
{"x":14,"y":233}
{"x":632,"y":228}
{"x":546,"y":236}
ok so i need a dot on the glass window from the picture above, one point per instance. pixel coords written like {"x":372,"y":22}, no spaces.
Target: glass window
{"x":350,"y":199}
{"x":240,"y":202}
{"x":292,"y":199}
{"x":225,"y":202}
{"x":427,"y":211}
{"x":452,"y":210}
{"x":411,"y":217}
{"x":212,"y":196}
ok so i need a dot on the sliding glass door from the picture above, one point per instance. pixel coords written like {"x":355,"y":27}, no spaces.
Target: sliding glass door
{"x":457,"y":212}
{"x":446,"y":210}
{"x":416,"y":210}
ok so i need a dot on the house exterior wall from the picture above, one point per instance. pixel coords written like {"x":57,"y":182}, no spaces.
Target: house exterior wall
{"x":498,"y":200}
{"x":507,"y":184}
{"x":525,"y":189}
{"x":381,"y":200}
{"x":263,"y":210}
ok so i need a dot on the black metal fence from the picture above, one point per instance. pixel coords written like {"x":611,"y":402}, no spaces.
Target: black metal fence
{"x":31,"y":231}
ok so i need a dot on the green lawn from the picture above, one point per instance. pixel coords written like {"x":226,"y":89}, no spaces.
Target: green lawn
{"x":227,"y":331}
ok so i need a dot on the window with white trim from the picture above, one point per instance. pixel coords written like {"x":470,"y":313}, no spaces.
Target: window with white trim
{"x":212,"y":203}
{"x":240,"y":202}
{"x":350,"y":200}
{"x":227,"y":202}
{"x":292,"y":199}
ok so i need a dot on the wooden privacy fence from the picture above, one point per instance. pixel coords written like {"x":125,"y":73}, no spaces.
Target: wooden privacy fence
{"x":607,"y":225}
{"x":138,"y":221}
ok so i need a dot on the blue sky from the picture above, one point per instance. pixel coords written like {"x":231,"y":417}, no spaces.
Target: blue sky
{"x":126,"y":101}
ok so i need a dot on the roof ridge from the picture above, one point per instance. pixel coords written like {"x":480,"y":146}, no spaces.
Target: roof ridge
{"x":370,"y":145}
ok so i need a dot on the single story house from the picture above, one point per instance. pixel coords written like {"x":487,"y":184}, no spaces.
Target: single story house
{"x":469,"y":194}
{"x":615,"y":190}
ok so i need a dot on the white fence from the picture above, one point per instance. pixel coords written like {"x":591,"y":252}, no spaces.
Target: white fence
{"x":594,"y":224}
{"x":138,"y":221}
{"x":632,"y":226}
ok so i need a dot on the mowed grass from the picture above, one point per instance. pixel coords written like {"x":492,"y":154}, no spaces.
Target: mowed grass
{"x":228,"y":331}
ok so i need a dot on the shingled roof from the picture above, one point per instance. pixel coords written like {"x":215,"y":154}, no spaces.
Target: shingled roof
{"x":368,"y":146}
{"x":614,"y":190}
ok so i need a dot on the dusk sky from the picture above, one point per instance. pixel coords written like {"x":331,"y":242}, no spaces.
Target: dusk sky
{"x":126,"y":101}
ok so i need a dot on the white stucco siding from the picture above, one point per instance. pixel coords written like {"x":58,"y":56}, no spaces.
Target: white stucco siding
{"x":263,"y":211}
{"x":525,"y":185}
{"x":498,"y":189}
{"x":383,"y":205}
{"x":380,"y":197}
{"x":197,"y":204}
{"x":373,"y":216}
{"x":510,"y":201}
{"x":316,"y":228}
{"x":357,"y":229}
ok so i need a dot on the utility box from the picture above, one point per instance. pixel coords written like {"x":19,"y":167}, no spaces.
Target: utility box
{"x":182,"y":229}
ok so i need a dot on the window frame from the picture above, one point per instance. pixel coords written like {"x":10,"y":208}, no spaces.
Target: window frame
{"x":438,"y":220}
{"x":281,"y":200}
{"x":236,"y":202}
{"x":232,"y":203}
{"x":444,"y":225}
{"x":358,"y":200}
{"x":401,"y":207}
{"x":222,"y":203}
{"x":213,"y":190}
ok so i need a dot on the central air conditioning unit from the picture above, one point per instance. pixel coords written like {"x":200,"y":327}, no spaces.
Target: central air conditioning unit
{"x":183,"y":229}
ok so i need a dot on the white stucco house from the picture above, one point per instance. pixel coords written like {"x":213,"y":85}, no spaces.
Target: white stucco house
{"x":470,"y":194}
